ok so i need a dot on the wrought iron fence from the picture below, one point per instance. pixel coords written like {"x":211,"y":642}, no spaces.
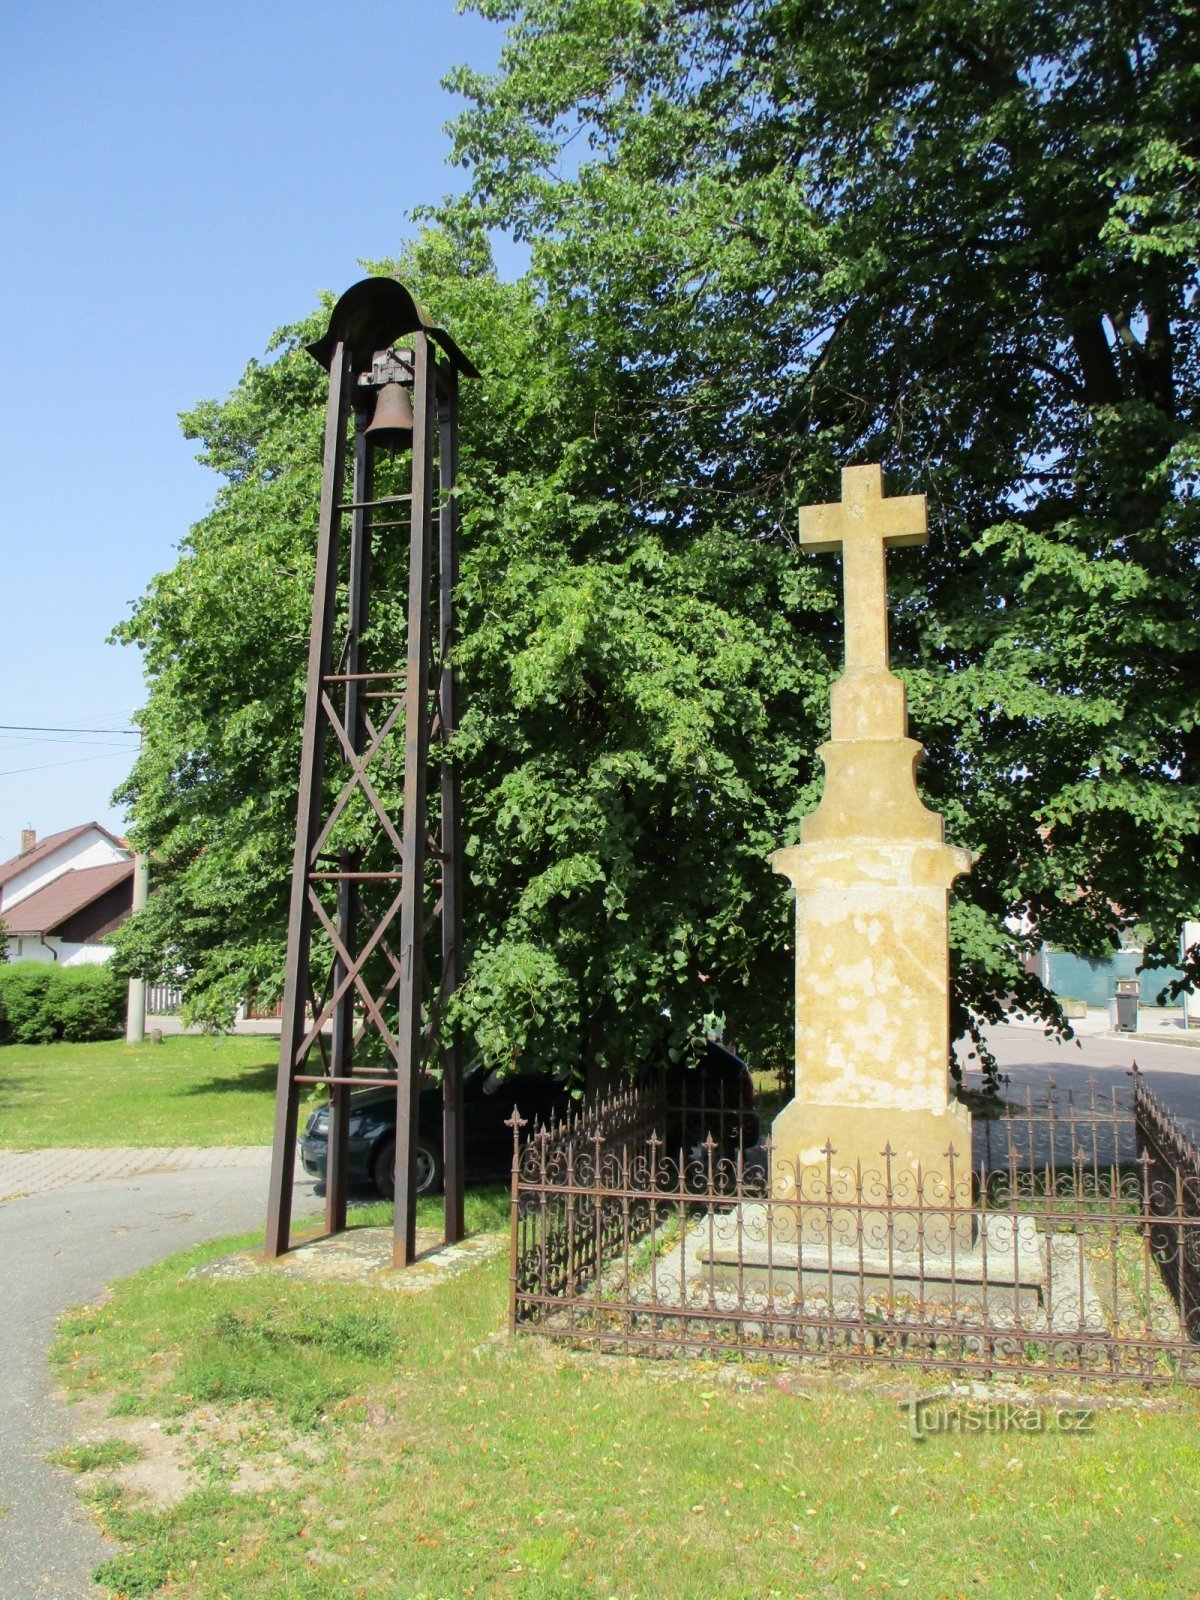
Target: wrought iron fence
{"x":1060,"y":1244}
{"x":1173,"y":1161}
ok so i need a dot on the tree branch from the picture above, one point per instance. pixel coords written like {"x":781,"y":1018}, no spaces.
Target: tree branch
{"x":1101,"y":381}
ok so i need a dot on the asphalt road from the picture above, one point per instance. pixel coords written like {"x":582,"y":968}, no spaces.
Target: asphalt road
{"x":62,"y":1249}
{"x":1171,"y":1071}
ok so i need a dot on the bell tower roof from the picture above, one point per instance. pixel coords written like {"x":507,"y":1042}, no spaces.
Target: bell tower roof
{"x":372,"y":315}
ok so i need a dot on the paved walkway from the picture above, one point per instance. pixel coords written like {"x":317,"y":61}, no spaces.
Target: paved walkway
{"x":1155,"y":1026}
{"x":24,"y":1172}
{"x":1170,"y":1068}
{"x":87,"y":1217}
{"x":267,"y":1027}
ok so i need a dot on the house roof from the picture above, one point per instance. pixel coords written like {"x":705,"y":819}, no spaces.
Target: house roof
{"x":47,"y":846}
{"x":43,"y":911}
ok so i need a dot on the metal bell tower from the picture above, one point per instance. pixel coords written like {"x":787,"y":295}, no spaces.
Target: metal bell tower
{"x":377,"y":869}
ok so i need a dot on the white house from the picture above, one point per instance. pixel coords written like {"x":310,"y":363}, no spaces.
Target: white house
{"x":60,"y":897}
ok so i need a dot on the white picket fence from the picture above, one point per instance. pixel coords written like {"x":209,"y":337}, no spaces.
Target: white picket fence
{"x":162,"y":1000}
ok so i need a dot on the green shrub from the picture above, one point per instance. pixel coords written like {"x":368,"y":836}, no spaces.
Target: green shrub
{"x":88,"y":1003}
{"x":25,"y":996}
{"x":41,"y":1002}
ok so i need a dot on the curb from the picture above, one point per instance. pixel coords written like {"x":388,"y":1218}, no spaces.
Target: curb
{"x":1181,"y":1040}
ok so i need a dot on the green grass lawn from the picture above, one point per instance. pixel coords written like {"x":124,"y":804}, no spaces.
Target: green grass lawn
{"x":350,"y":1441}
{"x":187,"y":1090}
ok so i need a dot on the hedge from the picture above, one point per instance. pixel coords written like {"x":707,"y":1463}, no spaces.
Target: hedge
{"x":41,"y":1002}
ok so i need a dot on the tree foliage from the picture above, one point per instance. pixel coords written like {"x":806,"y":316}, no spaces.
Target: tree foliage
{"x":767,"y":237}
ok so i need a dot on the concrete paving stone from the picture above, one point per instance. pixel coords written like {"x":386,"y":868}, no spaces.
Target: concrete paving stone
{"x":26,"y":1172}
{"x":362,"y":1255}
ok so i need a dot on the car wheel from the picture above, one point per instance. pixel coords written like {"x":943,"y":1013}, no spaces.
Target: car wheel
{"x":428,"y":1164}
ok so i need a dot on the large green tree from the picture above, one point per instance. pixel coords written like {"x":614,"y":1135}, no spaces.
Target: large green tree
{"x":961,"y":238}
{"x":628,"y":737}
{"x":767,"y":237}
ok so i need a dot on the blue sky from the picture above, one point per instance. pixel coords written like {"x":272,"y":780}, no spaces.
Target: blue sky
{"x":176,"y":181}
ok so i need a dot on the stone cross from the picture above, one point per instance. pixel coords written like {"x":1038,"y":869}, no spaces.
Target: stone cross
{"x":872,"y":874}
{"x":863,"y":525}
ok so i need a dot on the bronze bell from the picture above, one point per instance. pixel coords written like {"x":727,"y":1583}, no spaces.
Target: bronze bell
{"x":392,"y":423}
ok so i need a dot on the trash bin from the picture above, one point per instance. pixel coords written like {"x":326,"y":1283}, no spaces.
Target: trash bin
{"x":1124,"y":1010}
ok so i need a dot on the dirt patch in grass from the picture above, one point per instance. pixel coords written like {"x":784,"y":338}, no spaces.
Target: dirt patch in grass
{"x":159,"y":1462}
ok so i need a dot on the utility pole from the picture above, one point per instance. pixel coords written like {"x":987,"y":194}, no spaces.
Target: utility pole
{"x":135,"y":1004}
{"x":135,"y":1010}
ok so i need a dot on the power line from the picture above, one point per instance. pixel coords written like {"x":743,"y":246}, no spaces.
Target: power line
{"x":19,"y":739}
{"x":78,"y":762}
{"x":35,"y":727}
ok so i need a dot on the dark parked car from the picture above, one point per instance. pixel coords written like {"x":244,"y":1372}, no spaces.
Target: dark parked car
{"x":716,"y":1092}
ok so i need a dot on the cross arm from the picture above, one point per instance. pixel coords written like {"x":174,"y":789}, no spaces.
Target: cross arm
{"x":863,"y":515}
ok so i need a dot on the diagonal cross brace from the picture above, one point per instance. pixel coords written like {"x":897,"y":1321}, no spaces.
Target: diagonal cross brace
{"x":369,"y":999}
{"x":353,"y":969}
{"x":358,"y":777}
